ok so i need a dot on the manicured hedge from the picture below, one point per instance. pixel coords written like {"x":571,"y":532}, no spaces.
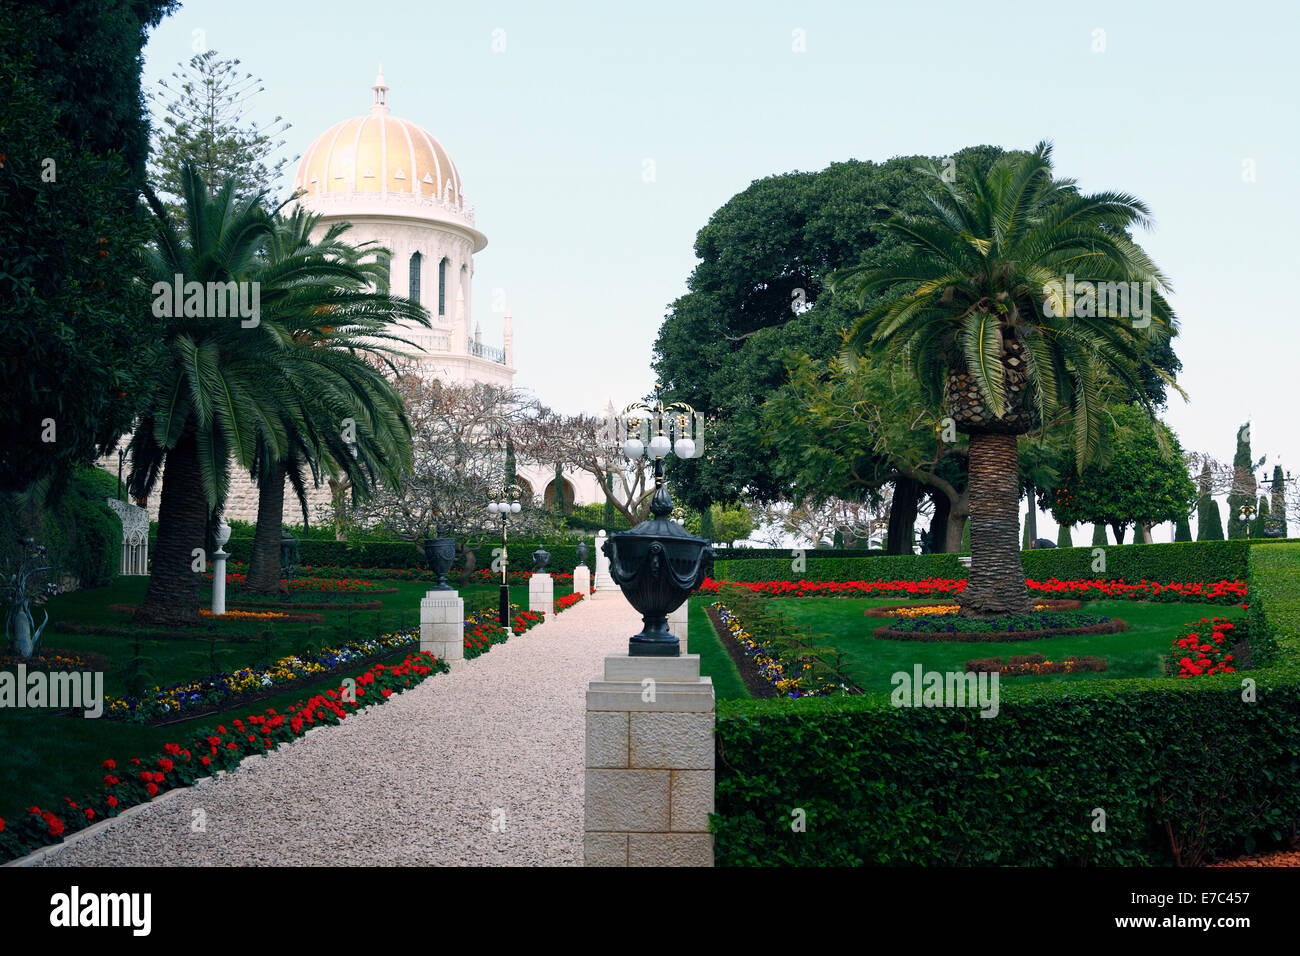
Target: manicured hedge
{"x":916,"y":787}
{"x":405,"y":554}
{"x":1184,"y":769}
{"x":1182,"y":562}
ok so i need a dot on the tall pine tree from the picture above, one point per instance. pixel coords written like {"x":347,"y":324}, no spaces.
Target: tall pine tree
{"x":1278,"y":509}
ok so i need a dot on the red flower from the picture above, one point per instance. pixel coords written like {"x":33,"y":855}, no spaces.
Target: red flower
{"x":152,"y":789}
{"x":109,"y":765}
{"x":166,"y":764}
{"x":90,"y":814}
{"x":112,"y":801}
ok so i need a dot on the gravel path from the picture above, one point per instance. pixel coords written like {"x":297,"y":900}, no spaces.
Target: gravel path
{"x":420,"y":780}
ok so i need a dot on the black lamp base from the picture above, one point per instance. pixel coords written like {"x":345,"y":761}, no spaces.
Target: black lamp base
{"x":503,"y":609}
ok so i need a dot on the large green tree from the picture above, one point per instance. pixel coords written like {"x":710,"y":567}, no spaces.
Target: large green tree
{"x":221,"y":385}
{"x":73,"y":141}
{"x":759,"y":292}
{"x":206,"y":125}
{"x":985,"y":308}
{"x":1142,"y":482}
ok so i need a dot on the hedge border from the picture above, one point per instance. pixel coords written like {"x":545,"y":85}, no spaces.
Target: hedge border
{"x":1185,"y":768}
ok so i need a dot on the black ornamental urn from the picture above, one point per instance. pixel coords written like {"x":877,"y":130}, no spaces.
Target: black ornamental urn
{"x":582,"y":550}
{"x":540,"y":557}
{"x":658,"y":564}
{"x":440,"y":552}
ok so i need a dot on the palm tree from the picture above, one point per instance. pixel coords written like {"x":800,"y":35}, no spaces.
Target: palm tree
{"x":985,"y":302}
{"x":353,"y":424}
{"x":221,"y":385}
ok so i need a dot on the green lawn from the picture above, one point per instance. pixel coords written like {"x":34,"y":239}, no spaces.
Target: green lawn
{"x":715,"y":662}
{"x":1134,"y":653}
{"x":45,"y":758}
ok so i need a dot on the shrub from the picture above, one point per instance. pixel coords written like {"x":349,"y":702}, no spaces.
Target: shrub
{"x":1190,"y":561}
{"x":82,"y":534}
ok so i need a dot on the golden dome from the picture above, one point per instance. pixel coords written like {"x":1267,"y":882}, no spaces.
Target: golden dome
{"x":379,"y":153}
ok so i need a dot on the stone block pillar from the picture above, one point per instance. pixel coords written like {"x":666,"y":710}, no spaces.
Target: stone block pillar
{"x":541,"y":594}
{"x":650,"y":768}
{"x":442,"y":627}
{"x":582,"y":580}
{"x":678,"y":624}
{"x":603,"y":581}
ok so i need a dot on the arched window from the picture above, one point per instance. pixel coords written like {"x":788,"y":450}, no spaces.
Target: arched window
{"x":442,"y":286}
{"x":415,"y":277}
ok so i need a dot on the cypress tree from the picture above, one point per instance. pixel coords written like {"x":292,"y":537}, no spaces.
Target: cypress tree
{"x":965,"y":538}
{"x":1099,"y":536}
{"x":1278,"y":509}
{"x":1182,"y":529}
{"x":706,"y":523}
{"x":1063,"y":537}
{"x":1209,"y":526}
{"x":1261,"y":518}
{"x":1025,"y":542}
{"x":511,"y":468}
{"x":1243,"y":484}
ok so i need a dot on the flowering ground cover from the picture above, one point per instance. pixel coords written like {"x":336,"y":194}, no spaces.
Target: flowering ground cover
{"x":225,"y":689}
{"x":1008,"y":627}
{"x":1200,"y":592}
{"x":205,"y":752}
{"x":1206,"y":648}
{"x":1035,"y":664}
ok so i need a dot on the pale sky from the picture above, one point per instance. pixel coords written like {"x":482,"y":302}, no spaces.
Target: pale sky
{"x":1192,"y":106}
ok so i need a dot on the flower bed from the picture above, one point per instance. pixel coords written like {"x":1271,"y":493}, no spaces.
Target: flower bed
{"x":566,"y":602}
{"x":283,"y":617}
{"x":1201,"y":592}
{"x":1205,"y":649}
{"x":221,"y":691}
{"x":939,"y":608}
{"x":54,"y":659}
{"x":790,"y":677}
{"x":1009,"y":627}
{"x":1025,"y":665}
{"x":208,"y":751}
{"x":482,"y":628}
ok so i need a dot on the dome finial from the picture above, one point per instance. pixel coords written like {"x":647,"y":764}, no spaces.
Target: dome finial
{"x":380,"y":104}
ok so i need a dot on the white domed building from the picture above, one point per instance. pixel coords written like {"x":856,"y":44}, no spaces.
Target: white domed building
{"x":399,"y":188}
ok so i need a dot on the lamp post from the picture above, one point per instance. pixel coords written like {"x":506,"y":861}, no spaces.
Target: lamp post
{"x":658,"y":563}
{"x":504,"y":503}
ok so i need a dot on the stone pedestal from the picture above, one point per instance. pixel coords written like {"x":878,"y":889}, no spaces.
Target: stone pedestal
{"x":582,"y":580}
{"x":541,"y":594}
{"x":219,"y":581}
{"x":650,"y":770}
{"x":678,"y":624}
{"x":442,"y":627}
{"x":603,"y":581}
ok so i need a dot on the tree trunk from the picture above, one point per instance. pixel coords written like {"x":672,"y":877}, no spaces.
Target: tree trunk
{"x":1119,"y":532}
{"x":172,"y":597}
{"x":996,"y":583}
{"x":939,"y":521}
{"x":1145,"y":530}
{"x":955,"y":531}
{"x":264,"y":566}
{"x":902,"y":515}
